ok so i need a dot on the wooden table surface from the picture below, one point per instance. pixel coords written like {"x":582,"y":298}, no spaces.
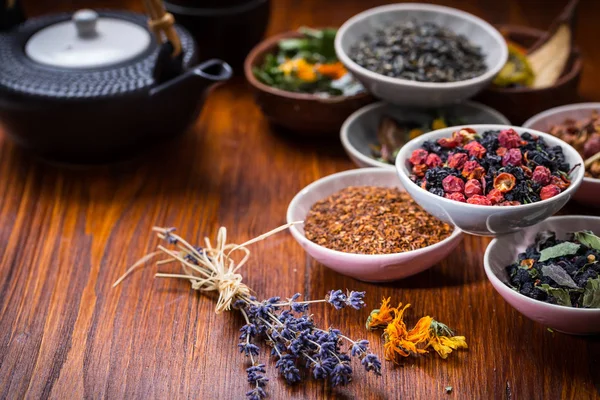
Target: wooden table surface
{"x":67,"y":234}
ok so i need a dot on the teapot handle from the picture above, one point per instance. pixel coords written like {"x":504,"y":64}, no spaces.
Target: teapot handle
{"x":11,"y":14}
{"x":161,"y":22}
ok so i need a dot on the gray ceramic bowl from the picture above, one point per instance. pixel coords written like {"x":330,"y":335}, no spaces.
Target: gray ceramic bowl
{"x":360,"y":129}
{"x":422,"y":94}
{"x":487,"y":220}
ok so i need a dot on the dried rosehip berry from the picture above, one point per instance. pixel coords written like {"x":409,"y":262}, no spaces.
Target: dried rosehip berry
{"x":504,"y":182}
{"x":455,"y":196}
{"x":433,"y":160}
{"x":512,"y":157}
{"x":472,"y":187}
{"x":475,"y":149}
{"x":419,"y":170}
{"x":453,"y":184}
{"x":549,"y":191}
{"x":418,"y":156}
{"x":448,"y":143}
{"x":472,"y":170}
{"x":457,"y":160}
{"x":480,"y":200}
{"x":495,"y":196}
{"x":501,"y":151}
{"x":542,"y":175}
{"x":509,"y":138}
{"x":509,"y":203}
{"x":561,"y":182}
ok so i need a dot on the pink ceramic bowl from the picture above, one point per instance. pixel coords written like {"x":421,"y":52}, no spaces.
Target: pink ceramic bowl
{"x":371,"y":268}
{"x":504,"y":250}
{"x":589,"y":191}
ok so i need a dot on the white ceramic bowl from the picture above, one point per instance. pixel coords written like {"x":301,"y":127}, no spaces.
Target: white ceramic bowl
{"x":372,"y":268}
{"x":504,"y":250}
{"x":487,"y":220}
{"x":589,"y":191}
{"x":422,"y":94}
{"x":360,"y":129}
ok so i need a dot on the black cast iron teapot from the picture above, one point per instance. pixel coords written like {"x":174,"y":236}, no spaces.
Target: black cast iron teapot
{"x":98,"y":86}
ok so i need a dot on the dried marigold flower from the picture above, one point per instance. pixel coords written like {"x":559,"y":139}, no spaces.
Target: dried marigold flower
{"x":512,"y":157}
{"x":419,"y":170}
{"x":504,"y":182}
{"x":418,"y":156}
{"x":433,"y":160}
{"x":472,"y":187}
{"x":472,"y":170}
{"x":495,"y":196}
{"x":468,"y":134}
{"x":501,"y":151}
{"x":453,"y":184}
{"x":549,"y":191}
{"x":509,"y":138}
{"x":475,"y":149}
{"x":527,"y":263}
{"x":526,"y":171}
{"x":457,"y":160}
{"x":562,"y":183}
{"x":479,"y":200}
{"x":424,"y":184}
{"x":456,"y":197}
{"x":542,"y":175}
{"x":591,"y":258}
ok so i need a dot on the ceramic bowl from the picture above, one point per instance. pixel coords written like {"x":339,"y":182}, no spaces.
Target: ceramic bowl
{"x":487,"y":220}
{"x":360,"y":129}
{"x":216,"y":26}
{"x":518,"y":104}
{"x":371,"y":268}
{"x":589,"y":191}
{"x":504,"y":250}
{"x":303,"y":113}
{"x":422,"y":94}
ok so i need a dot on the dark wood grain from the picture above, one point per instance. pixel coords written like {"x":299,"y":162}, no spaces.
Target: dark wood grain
{"x":66,"y":234}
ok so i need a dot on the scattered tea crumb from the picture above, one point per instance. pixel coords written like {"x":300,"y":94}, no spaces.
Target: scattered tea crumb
{"x":372,"y":220}
{"x":448,"y":389}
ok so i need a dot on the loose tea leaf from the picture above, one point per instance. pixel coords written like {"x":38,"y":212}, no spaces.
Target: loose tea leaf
{"x":559,"y":275}
{"x":560,"y":250}
{"x":562,"y":296}
{"x":591,"y":295}
{"x":588,"y":239}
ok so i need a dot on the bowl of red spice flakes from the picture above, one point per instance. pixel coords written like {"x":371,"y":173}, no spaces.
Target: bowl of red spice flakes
{"x":490,"y":179}
{"x":363,"y":224}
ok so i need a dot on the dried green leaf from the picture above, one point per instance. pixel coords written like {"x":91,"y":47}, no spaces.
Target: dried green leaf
{"x":588,"y":239}
{"x":562,"y":249}
{"x":559,"y":275}
{"x":562,"y":296}
{"x":591,"y":295}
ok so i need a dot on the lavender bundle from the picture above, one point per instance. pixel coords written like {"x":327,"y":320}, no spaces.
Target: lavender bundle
{"x":296,"y":342}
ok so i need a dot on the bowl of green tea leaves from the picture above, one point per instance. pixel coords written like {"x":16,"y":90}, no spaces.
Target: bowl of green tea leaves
{"x":300,"y":84}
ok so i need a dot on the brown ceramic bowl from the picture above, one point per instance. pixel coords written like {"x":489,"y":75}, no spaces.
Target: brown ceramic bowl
{"x":300,"y":112}
{"x":519,"y":104}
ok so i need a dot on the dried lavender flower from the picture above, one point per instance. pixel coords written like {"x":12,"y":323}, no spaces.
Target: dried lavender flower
{"x":296,"y":342}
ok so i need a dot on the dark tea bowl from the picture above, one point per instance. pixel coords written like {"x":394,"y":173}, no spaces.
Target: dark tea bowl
{"x":223,"y":29}
{"x":520,"y":104}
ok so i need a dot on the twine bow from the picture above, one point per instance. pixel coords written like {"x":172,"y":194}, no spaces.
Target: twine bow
{"x":161,"y":22}
{"x":208,"y":269}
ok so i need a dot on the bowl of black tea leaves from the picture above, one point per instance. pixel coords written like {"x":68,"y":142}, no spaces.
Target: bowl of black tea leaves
{"x":550,"y":272}
{"x":420,"y":54}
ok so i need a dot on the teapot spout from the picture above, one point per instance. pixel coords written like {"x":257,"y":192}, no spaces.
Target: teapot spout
{"x":197,"y":79}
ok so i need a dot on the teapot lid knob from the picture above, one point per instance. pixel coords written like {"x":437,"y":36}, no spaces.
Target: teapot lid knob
{"x":85,"y":22}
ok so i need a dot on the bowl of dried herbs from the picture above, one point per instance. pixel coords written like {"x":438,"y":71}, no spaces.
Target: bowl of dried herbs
{"x":363,"y":224}
{"x":421,"y":55}
{"x":550,"y":272}
{"x":373,"y":135}
{"x":299,"y":83}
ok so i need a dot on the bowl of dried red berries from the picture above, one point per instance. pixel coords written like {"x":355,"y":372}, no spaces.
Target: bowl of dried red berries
{"x":490,"y":179}
{"x":550,"y":272}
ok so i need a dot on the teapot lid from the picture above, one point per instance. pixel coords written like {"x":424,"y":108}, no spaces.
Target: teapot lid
{"x":88,"y":41}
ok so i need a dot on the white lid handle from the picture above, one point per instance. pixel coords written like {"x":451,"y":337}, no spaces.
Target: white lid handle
{"x":85,"y":22}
